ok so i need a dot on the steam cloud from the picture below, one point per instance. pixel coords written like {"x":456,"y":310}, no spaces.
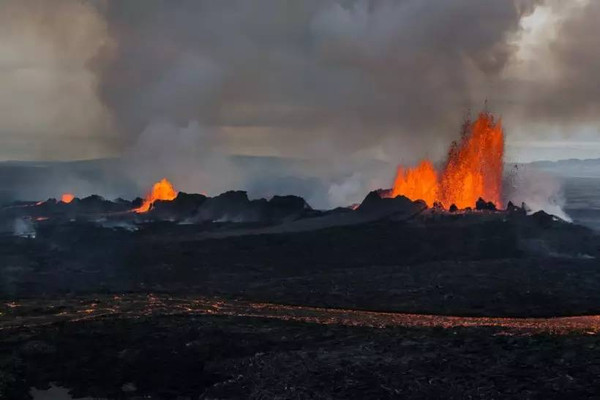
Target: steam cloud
{"x":538,"y":190}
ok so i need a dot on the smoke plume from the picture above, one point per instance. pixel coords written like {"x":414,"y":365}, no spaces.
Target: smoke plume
{"x":307,"y":77}
{"x":177,"y":87}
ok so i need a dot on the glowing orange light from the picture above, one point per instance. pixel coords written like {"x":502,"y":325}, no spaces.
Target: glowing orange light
{"x":67,"y":198}
{"x":162,"y":190}
{"x":473,"y":169}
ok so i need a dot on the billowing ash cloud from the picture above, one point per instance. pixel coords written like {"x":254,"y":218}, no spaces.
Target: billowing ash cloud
{"x":569,"y":93}
{"x":285,"y":75}
{"x":333,"y":80}
{"x":180,"y":84}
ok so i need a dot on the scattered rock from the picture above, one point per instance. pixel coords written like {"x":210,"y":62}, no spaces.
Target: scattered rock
{"x":375,"y":204}
{"x":37,"y":347}
{"x":543,"y":219}
{"x":482,"y":205}
{"x":512,"y":209}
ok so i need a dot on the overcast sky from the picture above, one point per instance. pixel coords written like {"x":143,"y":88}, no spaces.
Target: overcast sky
{"x":388,"y":80}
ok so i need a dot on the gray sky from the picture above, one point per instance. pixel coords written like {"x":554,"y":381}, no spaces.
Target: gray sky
{"x":180,"y":80}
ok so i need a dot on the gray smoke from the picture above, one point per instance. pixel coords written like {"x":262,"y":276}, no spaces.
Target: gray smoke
{"x":336,"y":80}
{"x":305,"y":77}
{"x":179,"y":86}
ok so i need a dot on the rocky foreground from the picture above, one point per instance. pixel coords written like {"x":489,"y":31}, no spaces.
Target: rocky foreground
{"x":70,"y":317}
{"x":217,"y":357}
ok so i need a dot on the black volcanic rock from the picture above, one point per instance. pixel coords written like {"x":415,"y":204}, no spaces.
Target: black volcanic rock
{"x":232,"y":206}
{"x":184,"y":206}
{"x":123,"y":202}
{"x":373,"y":201}
{"x":137,"y":202}
{"x":94,"y":204}
{"x":291,"y":203}
{"x":92,"y":199}
{"x":512,"y":209}
{"x":87,"y":206}
{"x":543,"y":219}
{"x":376,"y":204}
{"x":287,"y":207}
{"x":481,"y":205}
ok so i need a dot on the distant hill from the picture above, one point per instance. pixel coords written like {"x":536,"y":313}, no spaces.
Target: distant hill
{"x":36,"y":180}
{"x":571,"y":168}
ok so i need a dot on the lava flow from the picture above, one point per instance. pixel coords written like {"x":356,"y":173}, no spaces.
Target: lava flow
{"x":473,"y":169}
{"x":67,"y":198}
{"x":162,"y":190}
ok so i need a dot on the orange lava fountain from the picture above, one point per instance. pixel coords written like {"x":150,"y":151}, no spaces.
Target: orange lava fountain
{"x":162,"y":190}
{"x":473,"y":169}
{"x":421,"y":182}
{"x":67,"y":198}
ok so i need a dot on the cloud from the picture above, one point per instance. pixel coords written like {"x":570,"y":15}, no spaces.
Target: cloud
{"x":344,"y":74}
{"x":571,"y":96}
{"x":181,"y":84}
{"x":49,"y":107}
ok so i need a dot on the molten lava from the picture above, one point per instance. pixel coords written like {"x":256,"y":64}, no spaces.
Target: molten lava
{"x":420,"y":182}
{"x":473,"y":169}
{"x":162,"y":190}
{"x":67,"y":198}
{"x":475,"y":165}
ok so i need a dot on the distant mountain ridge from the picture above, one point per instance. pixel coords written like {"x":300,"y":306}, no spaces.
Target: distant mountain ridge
{"x":570,"y":168}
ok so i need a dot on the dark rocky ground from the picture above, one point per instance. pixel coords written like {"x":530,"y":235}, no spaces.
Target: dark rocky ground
{"x":484,"y":264}
{"x":238,"y":358}
{"x":487,"y":264}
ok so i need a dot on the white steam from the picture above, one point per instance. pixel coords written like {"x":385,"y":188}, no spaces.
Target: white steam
{"x":23,"y":228}
{"x":538,"y":190}
{"x":347,"y":192}
{"x":353,"y":189}
{"x":183,"y":154}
